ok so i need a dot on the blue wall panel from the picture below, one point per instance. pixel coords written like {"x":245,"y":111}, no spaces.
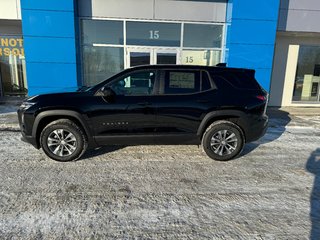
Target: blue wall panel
{"x":42,"y":49}
{"x":50,"y":24}
{"x":251,"y":56}
{"x":50,"y":5}
{"x":252,"y":32}
{"x":251,"y":36}
{"x":50,"y":45}
{"x":264,"y":76}
{"x":51,"y":77}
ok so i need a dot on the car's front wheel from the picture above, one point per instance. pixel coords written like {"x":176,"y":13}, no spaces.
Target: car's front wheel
{"x":223,"y":140}
{"x":63,"y":140}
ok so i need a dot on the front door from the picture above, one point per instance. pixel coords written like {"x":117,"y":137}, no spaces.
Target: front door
{"x":151,"y":56}
{"x":129,"y":113}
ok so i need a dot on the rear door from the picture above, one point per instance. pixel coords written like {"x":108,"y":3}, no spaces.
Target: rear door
{"x":185,"y":96}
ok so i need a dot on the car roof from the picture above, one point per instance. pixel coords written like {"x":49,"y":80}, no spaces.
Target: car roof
{"x":184,"y":67}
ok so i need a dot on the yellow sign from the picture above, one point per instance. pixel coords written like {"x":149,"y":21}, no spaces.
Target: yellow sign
{"x":11,"y":46}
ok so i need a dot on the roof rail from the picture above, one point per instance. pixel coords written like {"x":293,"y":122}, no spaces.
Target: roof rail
{"x":221,"y":65}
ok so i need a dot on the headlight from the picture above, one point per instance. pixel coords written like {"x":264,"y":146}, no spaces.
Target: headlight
{"x":26,"y":105}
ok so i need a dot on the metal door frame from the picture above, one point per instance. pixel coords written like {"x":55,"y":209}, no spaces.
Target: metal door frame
{"x":153,"y":53}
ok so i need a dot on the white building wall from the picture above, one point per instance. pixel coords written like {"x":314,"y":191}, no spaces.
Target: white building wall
{"x":298,"y":25}
{"x":182,"y":10}
{"x":285,"y":66}
{"x":299,"y":16}
{"x":10,"y":9}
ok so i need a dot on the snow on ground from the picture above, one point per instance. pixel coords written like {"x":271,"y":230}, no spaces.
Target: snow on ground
{"x":166,"y":192}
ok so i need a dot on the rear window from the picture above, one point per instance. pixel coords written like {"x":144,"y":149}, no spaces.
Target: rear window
{"x":242,"y":80}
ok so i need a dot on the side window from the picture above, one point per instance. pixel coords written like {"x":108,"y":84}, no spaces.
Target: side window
{"x":243,"y":80}
{"x":205,"y":82}
{"x":181,"y":82}
{"x":221,"y":82}
{"x":137,"y":83}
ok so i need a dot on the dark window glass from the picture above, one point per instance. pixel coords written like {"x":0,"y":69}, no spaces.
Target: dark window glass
{"x":100,"y":63}
{"x":102,"y":32}
{"x":243,"y":80}
{"x":307,"y":82}
{"x":139,"y":58}
{"x":139,"y":83}
{"x":202,"y":35}
{"x":166,"y":58}
{"x":182,"y":82}
{"x":205,"y":84}
{"x":153,"y":34}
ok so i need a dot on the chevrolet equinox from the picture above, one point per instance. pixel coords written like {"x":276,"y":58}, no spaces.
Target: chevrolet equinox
{"x":221,"y":108}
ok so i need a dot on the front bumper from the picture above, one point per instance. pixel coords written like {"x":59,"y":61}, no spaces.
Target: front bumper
{"x":31,"y":140}
{"x":26,"y":138}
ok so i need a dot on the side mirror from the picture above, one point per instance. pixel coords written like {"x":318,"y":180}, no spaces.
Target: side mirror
{"x":108,"y":92}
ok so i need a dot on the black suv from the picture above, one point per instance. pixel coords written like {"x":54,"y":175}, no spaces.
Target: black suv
{"x":222,"y":108}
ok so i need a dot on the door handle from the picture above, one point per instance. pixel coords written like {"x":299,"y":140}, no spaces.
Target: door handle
{"x":144,"y":103}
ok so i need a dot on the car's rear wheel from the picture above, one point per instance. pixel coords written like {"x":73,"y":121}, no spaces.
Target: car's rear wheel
{"x":63,"y":140}
{"x":223,"y":140}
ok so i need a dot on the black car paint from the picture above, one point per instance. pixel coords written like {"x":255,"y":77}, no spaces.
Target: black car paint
{"x":153,"y":119}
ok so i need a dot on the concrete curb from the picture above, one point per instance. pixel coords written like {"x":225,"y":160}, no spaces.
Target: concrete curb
{"x":296,"y":111}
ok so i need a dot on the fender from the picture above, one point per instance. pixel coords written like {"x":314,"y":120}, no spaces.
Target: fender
{"x":59,"y":112}
{"x":239,"y":115}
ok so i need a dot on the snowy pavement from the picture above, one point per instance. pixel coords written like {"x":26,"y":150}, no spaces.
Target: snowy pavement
{"x":165,"y":192}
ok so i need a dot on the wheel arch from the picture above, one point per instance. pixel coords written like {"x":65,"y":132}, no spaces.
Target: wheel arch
{"x":44,"y":118}
{"x":235,"y":116}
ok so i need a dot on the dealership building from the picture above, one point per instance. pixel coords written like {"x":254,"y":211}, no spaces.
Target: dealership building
{"x":61,"y":45}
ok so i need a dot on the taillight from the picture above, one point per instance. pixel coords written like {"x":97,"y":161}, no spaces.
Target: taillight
{"x":262,"y":97}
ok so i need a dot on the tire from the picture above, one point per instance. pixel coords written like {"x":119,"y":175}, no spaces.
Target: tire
{"x":63,"y":140}
{"x":223,"y":141}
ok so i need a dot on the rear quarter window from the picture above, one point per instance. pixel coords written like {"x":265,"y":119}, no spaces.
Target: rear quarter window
{"x":241,"y":80}
{"x":206,"y":83}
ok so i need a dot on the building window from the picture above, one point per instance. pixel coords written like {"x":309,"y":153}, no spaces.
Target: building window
{"x":153,"y":34}
{"x":202,"y":36}
{"x":102,"y":50}
{"x":109,"y":46}
{"x":307,"y":82}
{"x":13,"y":80}
{"x":100,"y":63}
{"x":102,"y":32}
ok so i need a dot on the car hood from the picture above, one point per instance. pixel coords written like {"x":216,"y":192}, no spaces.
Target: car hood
{"x":56,"y":97}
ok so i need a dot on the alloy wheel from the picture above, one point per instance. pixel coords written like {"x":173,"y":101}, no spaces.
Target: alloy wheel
{"x":62,"y":142}
{"x":224,"y":142}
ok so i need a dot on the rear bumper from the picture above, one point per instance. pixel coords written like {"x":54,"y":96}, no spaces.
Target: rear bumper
{"x":257,"y":129}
